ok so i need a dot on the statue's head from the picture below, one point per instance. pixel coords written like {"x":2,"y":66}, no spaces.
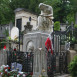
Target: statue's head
{"x":41,"y":6}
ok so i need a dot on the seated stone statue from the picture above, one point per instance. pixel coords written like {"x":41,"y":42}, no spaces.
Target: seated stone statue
{"x":45,"y":19}
{"x":46,"y":10}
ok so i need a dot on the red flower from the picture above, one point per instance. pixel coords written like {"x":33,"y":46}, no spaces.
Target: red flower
{"x":15,"y":54}
{"x":26,"y":74}
{"x":5,"y":68}
{"x":49,"y":67}
{"x":8,"y":67}
{"x":4,"y":46}
{"x":28,"y":54}
{"x":5,"y":72}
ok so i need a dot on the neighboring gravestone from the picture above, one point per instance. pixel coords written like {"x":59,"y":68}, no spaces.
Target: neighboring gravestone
{"x":70,"y":55}
{"x":3,"y":57}
{"x":14,"y":33}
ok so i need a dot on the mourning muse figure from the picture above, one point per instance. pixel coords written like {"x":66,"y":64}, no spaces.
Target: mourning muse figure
{"x":45,"y":19}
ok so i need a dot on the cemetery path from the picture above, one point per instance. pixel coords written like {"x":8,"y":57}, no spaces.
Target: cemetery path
{"x":65,"y":75}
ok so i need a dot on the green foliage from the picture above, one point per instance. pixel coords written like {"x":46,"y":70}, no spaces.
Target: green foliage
{"x":57,"y":26}
{"x":74,"y":5}
{"x":2,"y":43}
{"x":7,"y":8}
{"x":43,"y":76}
{"x":70,"y":18}
{"x":75,"y":25}
{"x":62,"y":9}
{"x":73,"y":67}
{"x":29,"y":76}
{"x":8,"y":38}
{"x":6,"y":13}
{"x":6,"y":32}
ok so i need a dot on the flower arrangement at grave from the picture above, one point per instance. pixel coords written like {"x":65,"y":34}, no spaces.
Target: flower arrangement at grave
{"x":4,"y":71}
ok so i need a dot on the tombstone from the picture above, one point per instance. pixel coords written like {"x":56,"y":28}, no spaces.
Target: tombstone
{"x":14,"y":33}
{"x":3,"y":57}
{"x":10,"y":27}
{"x":14,"y":36}
{"x":31,"y":42}
{"x":35,"y":40}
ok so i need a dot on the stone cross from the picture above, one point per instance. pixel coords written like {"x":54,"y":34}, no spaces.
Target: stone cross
{"x":28,"y":26}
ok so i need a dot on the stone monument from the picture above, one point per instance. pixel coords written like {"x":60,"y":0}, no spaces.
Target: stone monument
{"x":45,"y":22}
{"x":34,"y":41}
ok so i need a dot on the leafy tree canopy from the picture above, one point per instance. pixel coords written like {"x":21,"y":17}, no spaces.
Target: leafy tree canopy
{"x":62,"y":9}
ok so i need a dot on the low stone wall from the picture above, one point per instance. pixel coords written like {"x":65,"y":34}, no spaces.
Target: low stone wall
{"x":70,"y":55}
{"x":3,"y":57}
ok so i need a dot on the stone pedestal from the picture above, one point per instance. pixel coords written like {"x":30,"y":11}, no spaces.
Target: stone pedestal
{"x":40,"y":64}
{"x":36,"y":38}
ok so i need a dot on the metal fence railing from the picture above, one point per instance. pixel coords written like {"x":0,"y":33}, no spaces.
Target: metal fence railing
{"x":23,"y":58}
{"x":56,"y":64}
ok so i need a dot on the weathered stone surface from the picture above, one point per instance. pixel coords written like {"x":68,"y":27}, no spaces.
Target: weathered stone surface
{"x":45,"y":22}
{"x":37,"y":38}
{"x":40,"y":64}
{"x":70,"y":55}
{"x":3,"y":58}
{"x":32,"y":42}
{"x":75,"y":47}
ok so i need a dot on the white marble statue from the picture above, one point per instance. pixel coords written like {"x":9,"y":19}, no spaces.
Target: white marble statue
{"x":45,"y":19}
{"x":46,"y":10}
